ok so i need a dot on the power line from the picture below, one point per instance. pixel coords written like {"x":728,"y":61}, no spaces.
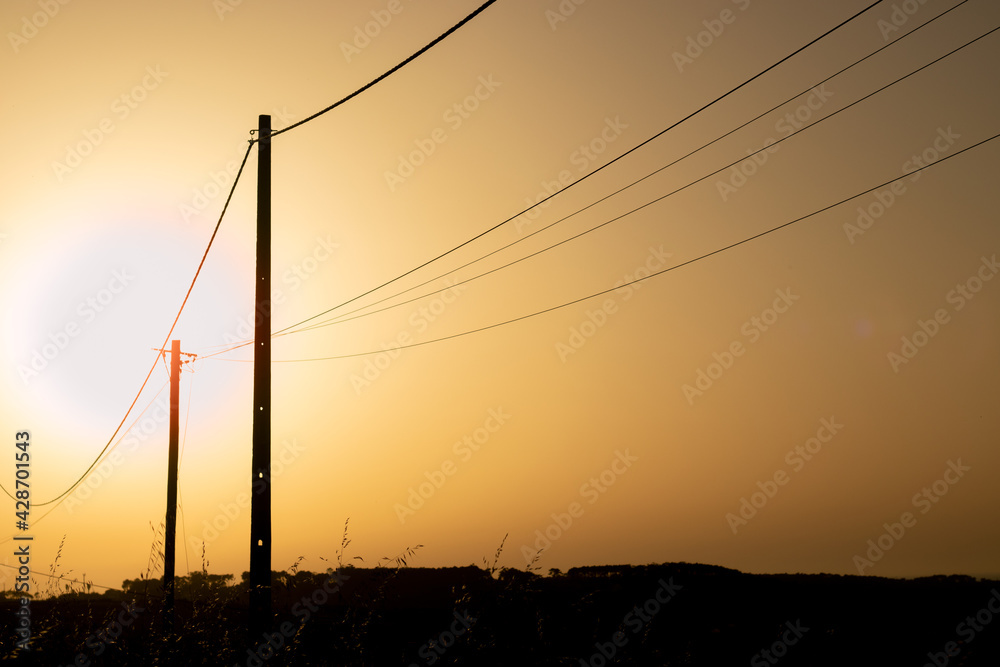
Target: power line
{"x":385,"y":75}
{"x":62,"y":578}
{"x":129,"y":429}
{"x":583,"y":178}
{"x":88,"y":583}
{"x":35,"y":522}
{"x":344,"y":318}
{"x":657,"y":273}
{"x":180,"y":460}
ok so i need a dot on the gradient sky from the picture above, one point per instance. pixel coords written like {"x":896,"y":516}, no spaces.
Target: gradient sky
{"x":635,"y":427}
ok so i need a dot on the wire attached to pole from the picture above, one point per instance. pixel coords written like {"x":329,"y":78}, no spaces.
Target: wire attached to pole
{"x":385,"y":75}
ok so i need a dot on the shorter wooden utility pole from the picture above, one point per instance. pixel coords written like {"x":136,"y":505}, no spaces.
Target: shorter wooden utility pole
{"x":170,"y":531}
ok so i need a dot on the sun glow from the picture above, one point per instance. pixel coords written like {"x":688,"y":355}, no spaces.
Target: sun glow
{"x":106,"y":304}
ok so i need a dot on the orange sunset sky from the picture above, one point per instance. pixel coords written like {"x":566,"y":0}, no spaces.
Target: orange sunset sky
{"x":821,"y":398}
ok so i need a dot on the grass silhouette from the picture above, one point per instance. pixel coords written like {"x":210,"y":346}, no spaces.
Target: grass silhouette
{"x":393,"y":613}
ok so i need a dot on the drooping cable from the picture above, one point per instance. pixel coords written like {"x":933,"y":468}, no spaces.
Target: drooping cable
{"x":388,"y":73}
{"x":652,"y":275}
{"x":585,"y":177}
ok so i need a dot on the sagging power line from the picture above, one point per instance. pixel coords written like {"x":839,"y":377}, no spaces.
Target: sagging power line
{"x":584,"y":178}
{"x":651,"y":275}
{"x":882,"y":88}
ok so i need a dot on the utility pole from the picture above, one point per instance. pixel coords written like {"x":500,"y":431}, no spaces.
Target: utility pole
{"x":170,"y":531}
{"x":260,"y":503}
{"x":169,"y":539}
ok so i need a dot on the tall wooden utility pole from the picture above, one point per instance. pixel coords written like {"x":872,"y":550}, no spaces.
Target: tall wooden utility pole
{"x":260,"y":503}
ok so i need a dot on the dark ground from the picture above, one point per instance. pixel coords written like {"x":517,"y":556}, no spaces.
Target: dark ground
{"x":670,"y":614}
